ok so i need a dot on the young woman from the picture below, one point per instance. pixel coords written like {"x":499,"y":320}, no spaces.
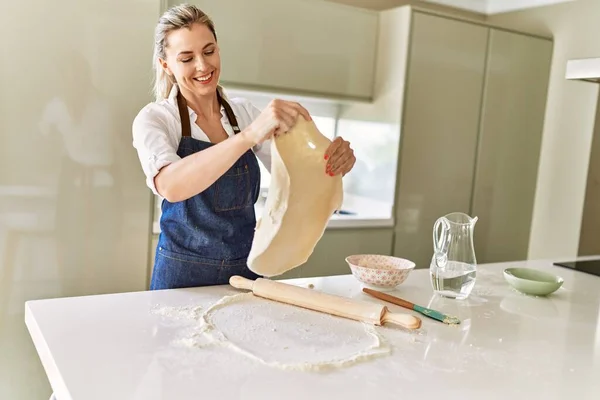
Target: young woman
{"x":199,"y":151}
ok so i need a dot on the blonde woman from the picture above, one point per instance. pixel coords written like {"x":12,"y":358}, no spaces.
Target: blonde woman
{"x":199,"y":151}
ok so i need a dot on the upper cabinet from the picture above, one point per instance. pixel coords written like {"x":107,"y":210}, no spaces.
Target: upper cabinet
{"x":308,"y":47}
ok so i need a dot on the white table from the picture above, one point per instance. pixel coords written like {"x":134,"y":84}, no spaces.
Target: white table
{"x":509,"y":346}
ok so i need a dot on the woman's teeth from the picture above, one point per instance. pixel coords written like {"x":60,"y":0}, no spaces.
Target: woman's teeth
{"x":205,"y":78}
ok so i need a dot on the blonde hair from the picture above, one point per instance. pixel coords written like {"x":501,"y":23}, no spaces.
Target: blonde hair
{"x":177,"y":17}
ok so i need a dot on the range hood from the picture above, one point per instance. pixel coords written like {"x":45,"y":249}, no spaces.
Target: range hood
{"x":584,"y":69}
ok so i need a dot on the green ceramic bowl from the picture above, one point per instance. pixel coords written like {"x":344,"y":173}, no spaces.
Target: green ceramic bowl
{"x":532,"y":281}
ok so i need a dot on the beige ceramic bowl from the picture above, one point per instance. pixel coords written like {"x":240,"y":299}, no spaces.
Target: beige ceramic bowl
{"x":379,"y":272}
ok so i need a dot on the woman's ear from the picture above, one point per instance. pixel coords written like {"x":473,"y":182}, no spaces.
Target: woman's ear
{"x":165,"y":67}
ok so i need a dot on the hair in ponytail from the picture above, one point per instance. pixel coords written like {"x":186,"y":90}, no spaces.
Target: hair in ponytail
{"x":177,"y":17}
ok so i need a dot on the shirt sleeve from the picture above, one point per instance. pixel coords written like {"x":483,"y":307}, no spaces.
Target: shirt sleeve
{"x":155,"y":148}
{"x":263,"y":150}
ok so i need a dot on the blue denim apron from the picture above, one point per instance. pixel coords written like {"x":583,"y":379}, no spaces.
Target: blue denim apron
{"x":206,"y":239}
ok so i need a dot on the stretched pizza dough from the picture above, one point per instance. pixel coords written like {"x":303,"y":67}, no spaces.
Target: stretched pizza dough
{"x":283,"y":336}
{"x":302,"y":198}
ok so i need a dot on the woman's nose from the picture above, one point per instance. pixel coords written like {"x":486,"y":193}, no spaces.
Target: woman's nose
{"x":200,"y":64}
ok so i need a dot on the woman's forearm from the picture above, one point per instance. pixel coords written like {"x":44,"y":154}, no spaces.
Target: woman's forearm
{"x":193,"y":174}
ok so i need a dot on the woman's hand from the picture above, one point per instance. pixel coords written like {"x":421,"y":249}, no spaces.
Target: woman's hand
{"x":340,"y":157}
{"x":276,"y":119}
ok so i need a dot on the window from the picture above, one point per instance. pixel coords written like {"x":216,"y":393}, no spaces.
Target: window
{"x":370,"y":187}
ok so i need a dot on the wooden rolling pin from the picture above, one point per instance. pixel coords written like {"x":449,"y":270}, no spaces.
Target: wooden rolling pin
{"x":373,"y":313}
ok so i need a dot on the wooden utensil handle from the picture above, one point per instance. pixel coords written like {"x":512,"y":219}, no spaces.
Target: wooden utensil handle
{"x":391,"y":299}
{"x":240,"y":282}
{"x":312,"y":299}
{"x":375,"y":314}
{"x":405,"y":320}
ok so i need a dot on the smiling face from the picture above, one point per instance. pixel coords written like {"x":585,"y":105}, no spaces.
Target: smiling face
{"x":192,"y":58}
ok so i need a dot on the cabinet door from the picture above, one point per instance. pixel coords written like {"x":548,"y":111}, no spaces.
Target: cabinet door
{"x":440,"y":128}
{"x":310,"y":47}
{"x":517,"y":77}
{"x":589,"y":244}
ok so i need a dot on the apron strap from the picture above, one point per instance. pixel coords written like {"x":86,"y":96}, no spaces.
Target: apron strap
{"x":184,"y":115}
{"x":229,"y":113}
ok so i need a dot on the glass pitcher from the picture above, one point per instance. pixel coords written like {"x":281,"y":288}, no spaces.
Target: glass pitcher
{"x":453,"y":265}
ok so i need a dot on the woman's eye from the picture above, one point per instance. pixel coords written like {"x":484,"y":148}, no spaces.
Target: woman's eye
{"x":209,"y":53}
{"x":186,"y":60}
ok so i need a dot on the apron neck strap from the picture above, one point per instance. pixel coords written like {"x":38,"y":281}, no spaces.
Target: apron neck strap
{"x":184,"y":115}
{"x":229,"y":112}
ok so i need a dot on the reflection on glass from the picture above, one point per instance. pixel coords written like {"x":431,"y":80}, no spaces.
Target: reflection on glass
{"x":89,"y":194}
{"x":74,"y":209}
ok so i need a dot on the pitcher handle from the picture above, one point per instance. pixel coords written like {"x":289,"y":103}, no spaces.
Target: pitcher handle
{"x":440,"y":242}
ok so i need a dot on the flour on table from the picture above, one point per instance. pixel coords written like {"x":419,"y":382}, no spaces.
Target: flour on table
{"x":483,"y":291}
{"x":183,"y":312}
{"x":283,"y":336}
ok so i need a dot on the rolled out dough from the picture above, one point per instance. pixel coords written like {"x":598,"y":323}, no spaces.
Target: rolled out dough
{"x":285,"y":337}
{"x":302,"y":198}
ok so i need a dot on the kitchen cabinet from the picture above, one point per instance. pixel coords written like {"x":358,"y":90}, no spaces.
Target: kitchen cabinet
{"x":472,"y":120}
{"x":512,"y":120}
{"x":295,"y":46}
{"x":590,"y":220}
{"x":438,"y":139}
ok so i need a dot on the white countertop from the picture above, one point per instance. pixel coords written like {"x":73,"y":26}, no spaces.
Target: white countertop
{"x":509,"y":346}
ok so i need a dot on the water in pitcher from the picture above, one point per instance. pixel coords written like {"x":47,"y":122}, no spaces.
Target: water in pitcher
{"x":456,"y":280}
{"x":453,"y":265}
